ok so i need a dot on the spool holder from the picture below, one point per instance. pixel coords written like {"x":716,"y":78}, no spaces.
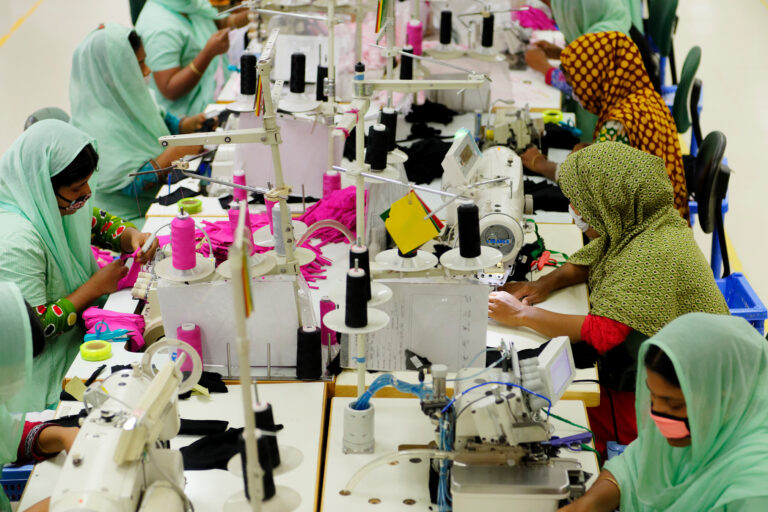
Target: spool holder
{"x":391,"y":260}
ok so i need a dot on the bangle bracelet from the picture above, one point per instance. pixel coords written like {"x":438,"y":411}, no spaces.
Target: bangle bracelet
{"x":612,"y":480}
{"x":533,"y":162}
{"x":194,"y":69}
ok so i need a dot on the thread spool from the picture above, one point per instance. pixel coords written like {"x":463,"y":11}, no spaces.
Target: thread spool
{"x":389,"y":119}
{"x":322,"y":74}
{"x":331,"y":183}
{"x":248,"y":74}
{"x":356,"y":314}
{"x":359,"y":257}
{"x":191,"y":334}
{"x":359,"y":71}
{"x":277,"y":225}
{"x":469,"y":230}
{"x":446,"y":26}
{"x":376,"y":152}
{"x":486,"y":40}
{"x":327,"y":335}
{"x":238,"y":178}
{"x":406,"y":65}
{"x":269,"y":205}
{"x":268,"y":481}
{"x":309,"y":355}
{"x":265,"y":421}
{"x":415,"y":36}
{"x":234,"y":215}
{"x":183,"y":242}
{"x":298,"y":68}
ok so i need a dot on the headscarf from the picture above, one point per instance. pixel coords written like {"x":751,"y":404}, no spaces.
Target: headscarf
{"x":111,"y":102}
{"x":645,"y":268}
{"x":575,"y":18}
{"x":722,"y":365}
{"x":15,"y":373}
{"x":610,"y":81}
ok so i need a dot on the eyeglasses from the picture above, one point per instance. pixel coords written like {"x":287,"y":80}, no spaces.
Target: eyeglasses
{"x":74,"y":204}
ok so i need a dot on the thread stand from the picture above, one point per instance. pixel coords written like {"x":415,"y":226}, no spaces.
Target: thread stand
{"x":392,"y":260}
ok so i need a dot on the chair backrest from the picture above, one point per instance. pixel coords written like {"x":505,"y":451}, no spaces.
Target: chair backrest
{"x":46,"y":113}
{"x":710,"y":179}
{"x":694,"y":110}
{"x":661,"y":21}
{"x":682,"y":94}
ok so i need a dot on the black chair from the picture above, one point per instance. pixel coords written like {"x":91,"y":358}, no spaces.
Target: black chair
{"x":693,"y":109}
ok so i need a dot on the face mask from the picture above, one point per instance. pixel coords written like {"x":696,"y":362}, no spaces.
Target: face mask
{"x":74,"y":204}
{"x":670,"y":426}
{"x":146,"y":79}
{"x":583,"y":226}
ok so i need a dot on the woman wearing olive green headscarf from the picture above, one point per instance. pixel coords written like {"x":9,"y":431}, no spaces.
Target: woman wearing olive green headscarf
{"x":47,"y":226}
{"x":702,"y":419}
{"x":642,"y":265}
{"x":111,"y":102}
{"x":186,"y":44}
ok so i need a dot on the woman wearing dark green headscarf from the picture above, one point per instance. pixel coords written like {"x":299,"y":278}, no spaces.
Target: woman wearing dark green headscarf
{"x":47,"y":226}
{"x":702,"y":419}
{"x":111,"y":102}
{"x":642,"y":265}
{"x":186,"y":44}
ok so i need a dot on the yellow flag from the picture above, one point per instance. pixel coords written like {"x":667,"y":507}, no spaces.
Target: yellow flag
{"x":406,"y":224}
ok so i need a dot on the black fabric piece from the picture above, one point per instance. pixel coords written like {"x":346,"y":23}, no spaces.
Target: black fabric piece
{"x":523,"y":263}
{"x":211,"y":381}
{"x":212,"y":451}
{"x":66,"y":397}
{"x":425,"y":159}
{"x":202,"y":427}
{"x":430,"y":112}
{"x":424,"y":131}
{"x":556,"y":136}
{"x":618,"y":367}
{"x":334,"y":368}
{"x":584,"y":355}
{"x":409,"y":354}
{"x":350,"y":145}
{"x":440,"y":249}
{"x":73,"y":420}
{"x":254,"y":198}
{"x":116,"y":368}
{"x":175,"y":196}
{"x":546,"y":196}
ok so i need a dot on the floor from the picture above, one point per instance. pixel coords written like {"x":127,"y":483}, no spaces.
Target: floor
{"x":42,"y":34}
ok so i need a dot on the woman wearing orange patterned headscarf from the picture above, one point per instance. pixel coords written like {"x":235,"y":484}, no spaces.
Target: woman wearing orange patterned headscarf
{"x":608,"y":79}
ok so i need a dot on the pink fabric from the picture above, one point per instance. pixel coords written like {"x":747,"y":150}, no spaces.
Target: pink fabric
{"x":104,"y":258}
{"x":114,"y":320}
{"x":339,"y":206}
{"x":534,"y":18}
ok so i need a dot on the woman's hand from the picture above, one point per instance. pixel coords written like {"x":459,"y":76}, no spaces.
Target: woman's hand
{"x":531,"y":157}
{"x":528,"y":292}
{"x":191,"y":124}
{"x":218,"y":43}
{"x":552,"y":51}
{"x":537,"y":60}
{"x":506,"y":309}
{"x":132,"y":240}
{"x":143,"y":257}
{"x":105,"y":280}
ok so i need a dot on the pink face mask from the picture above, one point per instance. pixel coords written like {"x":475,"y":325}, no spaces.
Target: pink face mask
{"x":670,"y":426}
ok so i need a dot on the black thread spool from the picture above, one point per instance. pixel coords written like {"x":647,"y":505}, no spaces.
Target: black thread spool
{"x":267,"y":480}
{"x":446,"y":26}
{"x":265,"y":421}
{"x":376,"y":152}
{"x":487,"y":37}
{"x":309,"y":358}
{"x":469,"y":230}
{"x":298,"y":68}
{"x":388,"y":118}
{"x":322,"y":74}
{"x":358,"y":258}
{"x":356,"y":314}
{"x":406,"y":64}
{"x":248,"y":74}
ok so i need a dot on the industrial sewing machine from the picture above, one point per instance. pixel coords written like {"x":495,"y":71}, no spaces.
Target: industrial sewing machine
{"x":504,"y":456}
{"x":120,"y":460}
{"x":494,"y":180}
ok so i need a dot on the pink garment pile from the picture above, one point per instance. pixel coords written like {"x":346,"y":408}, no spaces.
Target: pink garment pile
{"x":534,"y":18}
{"x":114,"y":320}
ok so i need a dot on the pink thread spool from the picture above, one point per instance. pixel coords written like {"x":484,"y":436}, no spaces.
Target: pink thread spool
{"x":190,"y":334}
{"x":415,"y":35}
{"x":327,"y":335}
{"x":331,"y":183}
{"x":270,"y":204}
{"x":238,"y":178}
{"x":183,"y":256}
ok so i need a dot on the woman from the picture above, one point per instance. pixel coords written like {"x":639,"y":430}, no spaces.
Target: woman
{"x":702,"y":411}
{"x":185,"y":45}
{"x":642,"y":265}
{"x":609,"y":80}
{"x":21,"y":441}
{"x":111,"y":102}
{"x":47,"y":227}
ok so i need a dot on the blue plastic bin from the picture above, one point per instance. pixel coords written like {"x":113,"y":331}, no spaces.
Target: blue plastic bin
{"x":14,"y":479}
{"x":743,"y":301}
{"x":612,"y":449}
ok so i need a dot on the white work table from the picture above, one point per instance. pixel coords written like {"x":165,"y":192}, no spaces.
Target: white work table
{"x":300,"y":407}
{"x":398,"y":422}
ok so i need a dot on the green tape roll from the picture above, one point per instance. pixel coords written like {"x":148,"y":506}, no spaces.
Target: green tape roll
{"x":96,"y":350}
{"x":552,"y":116}
{"x":191,"y":205}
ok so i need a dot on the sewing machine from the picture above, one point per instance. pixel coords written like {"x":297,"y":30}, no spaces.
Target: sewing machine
{"x":514,"y":127}
{"x":503,"y":455}
{"x":494,"y":180}
{"x":120,"y":460}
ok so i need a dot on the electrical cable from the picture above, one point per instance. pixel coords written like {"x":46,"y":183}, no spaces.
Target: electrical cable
{"x":510,"y":384}
{"x":479,"y":372}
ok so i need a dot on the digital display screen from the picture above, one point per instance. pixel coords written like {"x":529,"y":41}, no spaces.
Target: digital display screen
{"x":466,"y":154}
{"x":559,"y":372}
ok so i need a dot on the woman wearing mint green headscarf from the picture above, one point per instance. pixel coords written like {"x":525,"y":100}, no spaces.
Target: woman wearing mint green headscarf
{"x":111,"y":102}
{"x":47,"y":227}
{"x":21,"y":441}
{"x":186,"y":45}
{"x":702,"y":420}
